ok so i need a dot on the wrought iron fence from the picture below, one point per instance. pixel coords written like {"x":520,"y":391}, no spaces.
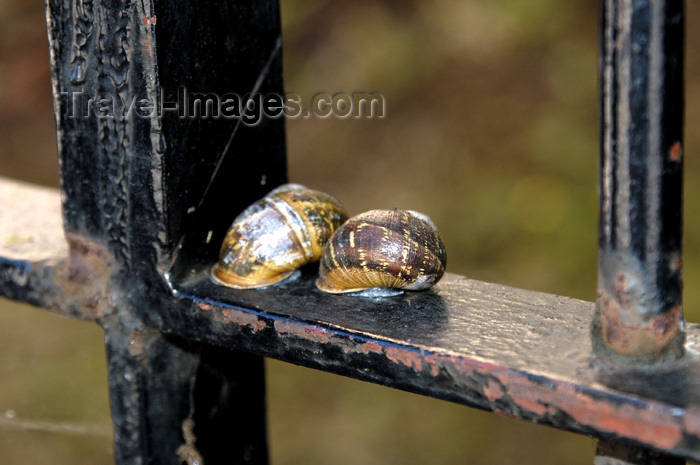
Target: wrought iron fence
{"x":143,"y":195}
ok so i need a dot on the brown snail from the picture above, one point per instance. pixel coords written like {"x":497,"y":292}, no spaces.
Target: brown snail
{"x":276,"y":235}
{"x":383,"y":250}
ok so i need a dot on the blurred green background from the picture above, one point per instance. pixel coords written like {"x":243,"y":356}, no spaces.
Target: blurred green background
{"x":490,"y":129}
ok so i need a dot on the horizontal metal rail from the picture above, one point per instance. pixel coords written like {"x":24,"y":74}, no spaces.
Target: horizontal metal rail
{"x":519,"y":353}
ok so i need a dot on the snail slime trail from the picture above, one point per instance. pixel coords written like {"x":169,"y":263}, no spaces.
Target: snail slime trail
{"x":381,"y":251}
{"x":276,"y":235}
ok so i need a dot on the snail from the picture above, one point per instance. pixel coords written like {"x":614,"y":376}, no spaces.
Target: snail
{"x":381,"y":252}
{"x":276,"y":235}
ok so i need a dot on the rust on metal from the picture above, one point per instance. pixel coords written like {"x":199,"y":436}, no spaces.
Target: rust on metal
{"x":650,"y":338}
{"x":639,"y":319}
{"x":493,"y":390}
{"x":238,"y":317}
{"x":569,"y":401}
{"x":646,"y":422}
{"x":136,"y":343}
{"x":245,"y":319}
{"x":411,"y":359}
{"x":187,"y":452}
{"x":309,"y":332}
{"x":502,"y":389}
{"x":631,"y":319}
{"x":148,"y":21}
{"x":675,"y":154}
{"x":84,"y":277}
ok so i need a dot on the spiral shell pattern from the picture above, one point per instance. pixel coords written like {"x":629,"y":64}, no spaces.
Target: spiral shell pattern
{"x":398,"y":249}
{"x":276,"y":235}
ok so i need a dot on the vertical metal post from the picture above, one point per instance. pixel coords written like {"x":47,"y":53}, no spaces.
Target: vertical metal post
{"x":145,"y":183}
{"x":639,"y":313}
{"x":639,"y":317}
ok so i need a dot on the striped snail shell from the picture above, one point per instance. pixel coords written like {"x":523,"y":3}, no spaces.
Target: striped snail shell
{"x":398,"y":249}
{"x":276,"y":235}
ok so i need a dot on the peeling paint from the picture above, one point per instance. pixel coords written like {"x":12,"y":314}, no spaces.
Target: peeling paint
{"x":309,"y":332}
{"x":147,"y":41}
{"x":358,"y":346}
{"x":652,"y":338}
{"x":242,"y":319}
{"x":537,"y":399}
{"x":148,"y":21}
{"x":203,"y":306}
{"x":84,"y":278}
{"x":525,"y":394}
{"x":434,"y":367}
{"x":566,"y":398}
{"x":649,"y":424}
{"x":493,"y":390}
{"x":371,"y":347}
{"x":632,"y":319}
{"x":676,"y":152}
{"x":409,"y":358}
{"x":646,"y":423}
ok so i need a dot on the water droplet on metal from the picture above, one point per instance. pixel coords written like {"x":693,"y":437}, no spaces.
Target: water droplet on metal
{"x":77,"y":71}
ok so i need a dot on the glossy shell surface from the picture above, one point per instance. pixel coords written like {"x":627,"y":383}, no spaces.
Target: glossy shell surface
{"x":276,"y":235}
{"x":398,"y":249}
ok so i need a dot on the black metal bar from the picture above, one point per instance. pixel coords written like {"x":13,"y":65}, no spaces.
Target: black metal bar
{"x":148,"y":177}
{"x":608,"y":453}
{"x":175,"y":401}
{"x":521,"y":353}
{"x":639,"y":318}
{"x":639,"y":313}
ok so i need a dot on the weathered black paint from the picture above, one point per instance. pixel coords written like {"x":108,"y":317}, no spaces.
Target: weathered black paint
{"x":520,"y":353}
{"x":140,"y":199}
{"x":641,"y":160}
{"x":608,"y":453}
{"x":149,"y":188}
